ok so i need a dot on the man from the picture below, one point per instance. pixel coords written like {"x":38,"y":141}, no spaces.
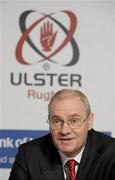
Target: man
{"x":71,"y":137}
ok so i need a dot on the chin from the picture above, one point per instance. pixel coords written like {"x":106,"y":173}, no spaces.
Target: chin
{"x":69,"y":154}
{"x":67,"y":151}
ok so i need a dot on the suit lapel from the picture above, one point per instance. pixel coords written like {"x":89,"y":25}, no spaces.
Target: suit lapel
{"x":52,"y":168}
{"x":90,"y":155}
{"x":54,"y":173}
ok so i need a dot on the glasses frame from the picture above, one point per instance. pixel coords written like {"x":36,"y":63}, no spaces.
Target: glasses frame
{"x":81,"y":122}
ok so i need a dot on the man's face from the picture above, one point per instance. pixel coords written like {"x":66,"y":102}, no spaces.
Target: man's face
{"x":67,"y":140}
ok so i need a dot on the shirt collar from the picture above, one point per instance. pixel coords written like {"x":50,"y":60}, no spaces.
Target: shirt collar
{"x":64,"y":158}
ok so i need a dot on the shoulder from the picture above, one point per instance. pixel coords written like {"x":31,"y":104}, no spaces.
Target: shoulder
{"x":38,"y":148}
{"x":40,"y":142}
{"x":103,"y":139}
{"x":104,"y":136}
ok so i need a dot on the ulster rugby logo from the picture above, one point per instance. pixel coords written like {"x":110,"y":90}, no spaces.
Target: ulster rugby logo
{"x":46,"y":38}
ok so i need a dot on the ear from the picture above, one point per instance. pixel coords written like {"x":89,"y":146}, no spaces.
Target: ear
{"x":90,"y":121}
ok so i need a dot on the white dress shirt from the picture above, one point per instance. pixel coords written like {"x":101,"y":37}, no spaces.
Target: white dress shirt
{"x":64,"y":159}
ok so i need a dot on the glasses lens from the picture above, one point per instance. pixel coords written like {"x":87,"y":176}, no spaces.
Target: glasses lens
{"x":72,"y":123}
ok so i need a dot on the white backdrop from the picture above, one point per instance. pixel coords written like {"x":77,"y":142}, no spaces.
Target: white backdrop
{"x":94,"y":38}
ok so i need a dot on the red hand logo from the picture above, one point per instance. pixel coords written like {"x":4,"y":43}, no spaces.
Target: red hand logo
{"x":47,"y":36}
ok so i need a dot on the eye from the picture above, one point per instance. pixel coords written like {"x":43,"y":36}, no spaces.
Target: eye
{"x":56,"y":121}
{"x":74,"y":120}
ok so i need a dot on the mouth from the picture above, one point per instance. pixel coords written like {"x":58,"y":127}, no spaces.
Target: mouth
{"x":66,"y":140}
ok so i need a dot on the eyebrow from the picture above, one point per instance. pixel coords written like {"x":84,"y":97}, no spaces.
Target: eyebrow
{"x":55,"y":116}
{"x":72,"y":115}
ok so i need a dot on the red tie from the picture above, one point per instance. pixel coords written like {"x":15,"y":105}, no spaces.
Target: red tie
{"x":70,"y":164}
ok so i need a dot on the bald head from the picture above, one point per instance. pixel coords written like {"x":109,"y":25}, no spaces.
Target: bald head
{"x":69,"y":94}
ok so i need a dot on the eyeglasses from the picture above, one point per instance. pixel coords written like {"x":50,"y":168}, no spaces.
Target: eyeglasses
{"x":57,"y":123}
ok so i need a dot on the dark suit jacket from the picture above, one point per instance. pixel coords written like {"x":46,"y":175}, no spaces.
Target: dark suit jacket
{"x":40,"y":160}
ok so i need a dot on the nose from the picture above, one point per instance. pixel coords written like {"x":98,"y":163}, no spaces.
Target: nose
{"x":65,"y":128}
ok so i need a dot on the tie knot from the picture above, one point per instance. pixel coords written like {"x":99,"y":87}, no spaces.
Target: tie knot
{"x":71,"y":163}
